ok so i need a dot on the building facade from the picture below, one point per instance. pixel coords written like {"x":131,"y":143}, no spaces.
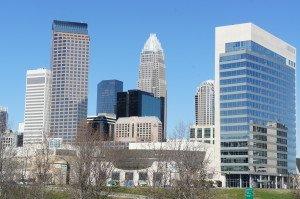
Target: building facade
{"x":37,"y":106}
{"x":70,"y":65}
{"x":139,"y":103}
{"x":255,"y":83}
{"x":3,"y":119}
{"x":204,"y":134}
{"x":103,"y":125}
{"x":205,"y":103}
{"x":107,"y":96}
{"x":138,"y":129}
{"x":152,"y":77}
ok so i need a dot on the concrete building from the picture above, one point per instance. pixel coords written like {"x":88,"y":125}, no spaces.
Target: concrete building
{"x":3,"y":119}
{"x":204,"y":134}
{"x":69,"y":65}
{"x":254,"y":84}
{"x":138,"y":129}
{"x":103,"y":125}
{"x":8,"y":139}
{"x":205,"y":103}
{"x":37,"y":106}
{"x":152,"y":76}
{"x":107,"y":96}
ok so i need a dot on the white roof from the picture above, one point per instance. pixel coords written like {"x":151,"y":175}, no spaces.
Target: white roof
{"x":152,"y":44}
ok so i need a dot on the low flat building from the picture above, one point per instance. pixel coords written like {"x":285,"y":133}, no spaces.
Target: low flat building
{"x":8,"y":139}
{"x":138,"y":129}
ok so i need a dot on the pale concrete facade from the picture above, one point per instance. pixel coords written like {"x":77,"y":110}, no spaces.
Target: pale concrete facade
{"x":138,"y":129}
{"x":37,"y":106}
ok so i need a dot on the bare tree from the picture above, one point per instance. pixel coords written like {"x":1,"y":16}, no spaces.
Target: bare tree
{"x":9,"y":170}
{"x":90,"y":167}
{"x":183,"y":168}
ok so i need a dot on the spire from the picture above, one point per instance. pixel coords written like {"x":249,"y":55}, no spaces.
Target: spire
{"x":152,"y":44}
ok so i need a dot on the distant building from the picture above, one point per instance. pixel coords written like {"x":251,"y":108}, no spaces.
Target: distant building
{"x":37,"y":106}
{"x":70,"y":66}
{"x":20,"y":140}
{"x":107,"y":96}
{"x":8,"y":139}
{"x":103,"y":125}
{"x":204,"y":134}
{"x":139,"y":103}
{"x":152,"y":72}
{"x":3,"y":119}
{"x":205,"y":103}
{"x":21,"y":127}
{"x":138,"y":129}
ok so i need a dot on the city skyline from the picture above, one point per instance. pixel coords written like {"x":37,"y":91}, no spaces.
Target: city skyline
{"x":176,"y":92}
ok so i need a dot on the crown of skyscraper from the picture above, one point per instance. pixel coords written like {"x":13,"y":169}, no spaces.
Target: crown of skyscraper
{"x":152,"y":44}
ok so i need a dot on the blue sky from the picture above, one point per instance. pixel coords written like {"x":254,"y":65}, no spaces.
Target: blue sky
{"x":118,"y":30}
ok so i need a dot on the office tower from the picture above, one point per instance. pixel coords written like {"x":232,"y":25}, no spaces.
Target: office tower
{"x":138,"y":129}
{"x":70,"y":61}
{"x":103,"y":125}
{"x":3,"y":119}
{"x":255,"y":85}
{"x":139,"y":103}
{"x":152,"y":76}
{"x":205,"y":103}
{"x":107,"y":96}
{"x":37,"y":106}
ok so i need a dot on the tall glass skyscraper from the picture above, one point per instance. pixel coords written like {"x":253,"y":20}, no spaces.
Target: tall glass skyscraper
{"x":69,"y":89}
{"x":107,"y":95}
{"x":255,"y":91}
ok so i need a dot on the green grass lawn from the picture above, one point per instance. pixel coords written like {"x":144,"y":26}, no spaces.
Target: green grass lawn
{"x":258,"y":194}
{"x":220,"y":193}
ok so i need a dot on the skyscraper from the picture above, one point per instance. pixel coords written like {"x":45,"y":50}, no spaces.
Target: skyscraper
{"x":37,"y":106}
{"x":3,"y":119}
{"x":70,"y":61}
{"x":152,"y":68}
{"x":255,"y":86}
{"x":205,"y":103}
{"x":107,"y":96}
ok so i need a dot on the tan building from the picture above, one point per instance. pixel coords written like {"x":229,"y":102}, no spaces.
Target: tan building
{"x":138,"y":129}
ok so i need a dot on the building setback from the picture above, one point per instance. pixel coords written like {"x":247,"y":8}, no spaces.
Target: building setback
{"x":3,"y":119}
{"x":37,"y":106}
{"x":152,"y":76}
{"x":107,"y":96}
{"x":255,"y":84}
{"x":70,"y":64}
{"x":205,"y":103}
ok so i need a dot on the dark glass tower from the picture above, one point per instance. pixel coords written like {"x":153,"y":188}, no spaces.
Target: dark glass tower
{"x":107,"y":96}
{"x":139,"y":103}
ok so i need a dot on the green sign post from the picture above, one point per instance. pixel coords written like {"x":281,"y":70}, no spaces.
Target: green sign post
{"x":249,"y":194}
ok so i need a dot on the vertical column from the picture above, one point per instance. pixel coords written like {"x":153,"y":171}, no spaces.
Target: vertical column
{"x":240,"y":180}
{"x":269,"y":182}
{"x":250,"y":180}
{"x":276,"y":187}
{"x":260,"y":181}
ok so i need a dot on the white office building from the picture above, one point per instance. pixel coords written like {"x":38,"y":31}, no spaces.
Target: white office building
{"x":37,"y":104}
